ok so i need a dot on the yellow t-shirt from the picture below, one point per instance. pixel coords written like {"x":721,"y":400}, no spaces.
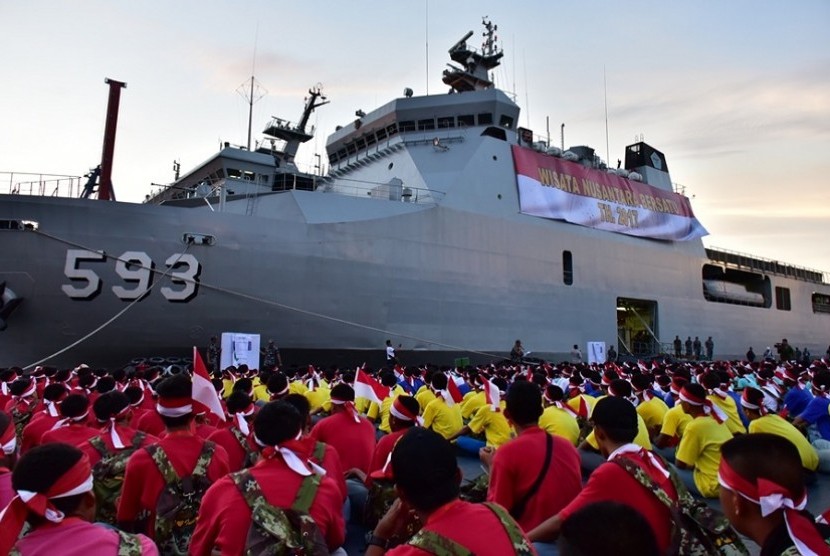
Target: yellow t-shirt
{"x":642,"y":439}
{"x":424,"y":397}
{"x":774,"y":424}
{"x":443,"y":419}
{"x":675,"y":421}
{"x":734,"y":423}
{"x":297,"y":387}
{"x":653,"y":411}
{"x":227,"y":384}
{"x":319,"y":398}
{"x":471,"y":402}
{"x":700,"y":447}
{"x":496,"y":429}
{"x":261,"y":393}
{"x":558,"y":421}
{"x":383,"y":410}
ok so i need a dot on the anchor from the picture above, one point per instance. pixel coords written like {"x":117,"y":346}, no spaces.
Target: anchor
{"x":8,"y":303}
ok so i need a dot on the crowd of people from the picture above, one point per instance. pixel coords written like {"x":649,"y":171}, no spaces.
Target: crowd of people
{"x":143,"y":460}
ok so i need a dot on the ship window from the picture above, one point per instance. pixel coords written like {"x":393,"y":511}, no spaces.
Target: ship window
{"x":234,"y":173}
{"x":426,"y":124}
{"x":444,"y":123}
{"x":495,"y":132}
{"x":351,"y":149}
{"x":467,"y":120}
{"x":567,"y":268}
{"x":361,"y":143}
{"x":506,"y":121}
{"x":485,"y":119}
{"x":821,"y":303}
{"x":392,"y":129}
{"x":407,"y":126}
{"x":341,"y":154}
{"x":782,"y":299}
{"x":371,"y":140}
{"x":381,"y":134}
{"x":248,"y":176}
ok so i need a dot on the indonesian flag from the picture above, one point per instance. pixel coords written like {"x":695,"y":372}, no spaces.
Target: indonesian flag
{"x":492,"y":394}
{"x":452,"y":388}
{"x":368,"y":387}
{"x":203,"y":390}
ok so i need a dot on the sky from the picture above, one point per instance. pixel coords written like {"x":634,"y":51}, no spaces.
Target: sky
{"x":736,"y":94}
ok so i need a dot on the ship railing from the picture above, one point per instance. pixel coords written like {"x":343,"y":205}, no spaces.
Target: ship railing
{"x":396,"y":192}
{"x":40,"y":185}
{"x":740,"y":260}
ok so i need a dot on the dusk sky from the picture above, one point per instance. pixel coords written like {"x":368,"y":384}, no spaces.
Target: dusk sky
{"x":736,"y":94}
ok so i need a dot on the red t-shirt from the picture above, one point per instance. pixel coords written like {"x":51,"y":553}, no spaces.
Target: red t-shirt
{"x":143,"y":482}
{"x":353,"y":441}
{"x":382,"y":450}
{"x":227,"y":439}
{"x":76,"y":536}
{"x":331,"y":463}
{"x":473,"y":526}
{"x":151,"y":423}
{"x":611,"y":483}
{"x":517,"y":464}
{"x":225,"y":518}
{"x":74,"y":434}
{"x":33,"y":432}
{"x":126,"y":434}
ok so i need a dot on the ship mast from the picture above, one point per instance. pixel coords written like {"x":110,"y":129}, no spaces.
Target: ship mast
{"x":294,"y":135}
{"x":105,"y":189}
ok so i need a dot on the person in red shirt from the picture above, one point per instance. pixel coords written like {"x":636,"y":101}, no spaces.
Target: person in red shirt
{"x":225,"y":516}
{"x":143,"y":481}
{"x":329,"y":461}
{"x":403,"y":415}
{"x":22,"y":403}
{"x":353,"y":436}
{"x":615,"y":426}
{"x":8,"y":451}
{"x":137,"y":395}
{"x":536,"y":474}
{"x":7,"y":376}
{"x":114,"y":412}
{"x":44,"y":420}
{"x":236,"y":438}
{"x":55,"y":497}
{"x":72,"y":429}
{"x":427,"y":478}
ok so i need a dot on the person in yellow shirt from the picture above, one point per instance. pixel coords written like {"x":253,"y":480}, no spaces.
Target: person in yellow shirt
{"x":388,"y":379}
{"x":698,"y":454}
{"x":489,"y":421}
{"x":441,"y":417}
{"x":752,"y":400}
{"x":558,"y":418}
{"x":473,"y":399}
{"x":651,"y":408}
{"x":718,"y":396}
{"x":425,"y":395}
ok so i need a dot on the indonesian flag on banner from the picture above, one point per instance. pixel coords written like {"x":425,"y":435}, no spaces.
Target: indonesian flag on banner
{"x":452,"y":388}
{"x":367,"y":387}
{"x":203,"y":391}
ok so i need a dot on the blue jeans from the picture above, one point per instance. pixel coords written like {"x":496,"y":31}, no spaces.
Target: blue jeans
{"x":469,"y":445}
{"x":546,"y":548}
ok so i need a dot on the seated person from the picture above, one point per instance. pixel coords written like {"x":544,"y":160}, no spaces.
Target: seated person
{"x":624,"y":533}
{"x":763,"y":496}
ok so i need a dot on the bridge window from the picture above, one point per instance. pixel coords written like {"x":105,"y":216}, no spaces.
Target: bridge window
{"x":392,"y":129}
{"x":485,"y":119}
{"x":407,"y":126}
{"x":506,"y":121}
{"x":447,"y":122}
{"x":466,"y":121}
{"x":821,"y":303}
{"x":782,"y":299}
{"x":424,"y":125}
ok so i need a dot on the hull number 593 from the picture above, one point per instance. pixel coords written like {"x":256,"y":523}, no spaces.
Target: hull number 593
{"x":137,"y":270}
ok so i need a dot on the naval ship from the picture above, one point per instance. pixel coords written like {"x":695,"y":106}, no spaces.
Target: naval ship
{"x":441,"y":225}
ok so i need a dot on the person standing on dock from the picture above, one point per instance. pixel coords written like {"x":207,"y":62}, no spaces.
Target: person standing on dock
{"x":697,"y":345}
{"x":576,"y":355}
{"x":391,"y":358}
{"x":678,"y":347}
{"x":272,"y":356}
{"x":710,"y":348}
{"x":214,"y":350}
{"x":688,"y":347}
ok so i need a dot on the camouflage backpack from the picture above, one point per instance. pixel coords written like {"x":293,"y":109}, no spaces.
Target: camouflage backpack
{"x":108,"y":476}
{"x":21,"y":414}
{"x":251,"y":455}
{"x":699,"y":530}
{"x":439,"y":545}
{"x":281,"y":532}
{"x":178,"y":503}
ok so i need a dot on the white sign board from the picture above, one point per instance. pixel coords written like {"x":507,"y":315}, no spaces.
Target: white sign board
{"x":239,"y":348}
{"x":596,"y":352}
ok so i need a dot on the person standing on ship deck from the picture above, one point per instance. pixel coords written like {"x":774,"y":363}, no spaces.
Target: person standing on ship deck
{"x":391,"y":358}
{"x":576,"y":355}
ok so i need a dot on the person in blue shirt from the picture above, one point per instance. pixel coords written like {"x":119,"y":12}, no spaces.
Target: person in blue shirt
{"x":797,"y":397}
{"x":816,"y":419}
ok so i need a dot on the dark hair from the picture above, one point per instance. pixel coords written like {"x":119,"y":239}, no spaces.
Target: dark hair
{"x":134,"y":393}
{"x":439,"y":381}
{"x":238,"y":401}
{"x":277,"y":383}
{"x":74,"y":405}
{"x":425,"y":469}
{"x":54,"y":392}
{"x":19,"y":386}
{"x":176,"y":386}
{"x":767,"y":456}
{"x":617,"y":417}
{"x":620,"y":388}
{"x":41,"y":467}
{"x":388,"y":378}
{"x":110,"y":404}
{"x":709,"y":380}
{"x":625,"y":532}
{"x":412,"y":405}
{"x":277,"y":422}
{"x":243,"y":385}
{"x":754,"y":396}
{"x":105,"y":384}
{"x":300,"y":402}
{"x":343,"y":391}
{"x":641,"y":382}
{"x":524,"y":403}
{"x":555,"y":393}
{"x":696,"y":390}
